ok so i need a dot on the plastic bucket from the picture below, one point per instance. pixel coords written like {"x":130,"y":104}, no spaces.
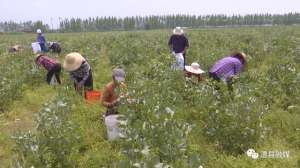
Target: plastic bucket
{"x":36,"y":47}
{"x":92,"y":96}
{"x":112,"y":126}
{"x":53,"y":80}
{"x":179,"y":64}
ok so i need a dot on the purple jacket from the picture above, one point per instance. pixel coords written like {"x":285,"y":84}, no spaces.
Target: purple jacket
{"x":227,"y":67}
{"x":41,"y":39}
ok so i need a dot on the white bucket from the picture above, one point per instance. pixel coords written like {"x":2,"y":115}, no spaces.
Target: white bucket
{"x":179,"y":61}
{"x":112,"y":126}
{"x":53,"y":80}
{"x":36,"y":47}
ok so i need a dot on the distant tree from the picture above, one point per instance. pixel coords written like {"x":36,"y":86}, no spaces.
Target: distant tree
{"x":153,"y":22}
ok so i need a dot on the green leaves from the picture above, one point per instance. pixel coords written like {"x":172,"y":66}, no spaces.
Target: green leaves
{"x":55,"y":140}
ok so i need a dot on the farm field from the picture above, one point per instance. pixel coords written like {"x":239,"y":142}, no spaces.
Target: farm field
{"x":173,"y":122}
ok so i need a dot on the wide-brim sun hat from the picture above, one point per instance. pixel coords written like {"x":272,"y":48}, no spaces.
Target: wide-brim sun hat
{"x":119,"y":74}
{"x":73,"y":61}
{"x":178,"y":31}
{"x":17,"y":47}
{"x":194,"y":68}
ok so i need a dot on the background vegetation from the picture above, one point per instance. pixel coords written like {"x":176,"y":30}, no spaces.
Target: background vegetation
{"x":154,"y":22}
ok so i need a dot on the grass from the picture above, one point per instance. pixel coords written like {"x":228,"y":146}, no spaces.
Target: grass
{"x":21,"y":118}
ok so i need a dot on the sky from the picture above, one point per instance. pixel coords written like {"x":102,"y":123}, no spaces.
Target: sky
{"x":50,"y":11}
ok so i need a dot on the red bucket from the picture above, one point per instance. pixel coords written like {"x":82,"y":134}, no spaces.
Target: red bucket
{"x":93,"y":96}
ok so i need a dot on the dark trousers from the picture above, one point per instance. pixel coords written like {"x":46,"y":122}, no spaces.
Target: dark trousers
{"x":88,"y":84}
{"x":229,"y":82}
{"x":54,"y":71}
{"x":43,"y":47}
{"x":184,"y":62}
{"x":214,"y":76}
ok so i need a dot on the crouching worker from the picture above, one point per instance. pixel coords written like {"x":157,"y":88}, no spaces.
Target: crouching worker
{"x":111,"y":99}
{"x":228,"y":67}
{"x":54,"y":47}
{"x":194,"y":70}
{"x":80,"y":71}
{"x":51,"y":65}
{"x":16,"y":48}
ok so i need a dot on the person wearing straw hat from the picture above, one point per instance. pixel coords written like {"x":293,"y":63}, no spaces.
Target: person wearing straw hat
{"x":41,"y":40}
{"x":51,"y":65}
{"x":178,"y":43}
{"x":110,"y":97}
{"x":228,"y":67}
{"x":194,"y":70}
{"x":15,"y":48}
{"x":80,"y":71}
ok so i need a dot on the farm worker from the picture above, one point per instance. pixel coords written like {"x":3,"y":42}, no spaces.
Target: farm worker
{"x":51,"y":65}
{"x":178,"y":43}
{"x":15,"y":48}
{"x":194,"y":70}
{"x":80,"y":71}
{"x":110,"y":97}
{"x":54,"y":47}
{"x":41,"y":40}
{"x":228,"y":67}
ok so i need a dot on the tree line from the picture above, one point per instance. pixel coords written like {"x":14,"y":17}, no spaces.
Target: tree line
{"x":156,"y":22}
{"x":28,"y":26}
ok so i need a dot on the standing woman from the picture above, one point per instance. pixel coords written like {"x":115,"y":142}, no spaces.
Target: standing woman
{"x":80,"y":71}
{"x":178,"y":43}
{"x":41,"y":40}
{"x":51,"y":65}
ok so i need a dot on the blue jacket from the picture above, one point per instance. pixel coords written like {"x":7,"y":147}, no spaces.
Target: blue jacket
{"x":41,"y":39}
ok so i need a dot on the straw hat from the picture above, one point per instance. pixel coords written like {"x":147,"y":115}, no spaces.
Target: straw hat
{"x":17,"y":47}
{"x":178,"y":31}
{"x":73,"y":61}
{"x":194,"y":68}
{"x":243,"y":55}
{"x":37,"y":56}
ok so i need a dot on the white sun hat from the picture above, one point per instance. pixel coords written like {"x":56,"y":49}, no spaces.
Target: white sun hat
{"x":194,"y":68}
{"x":39,"y":31}
{"x":178,"y":31}
{"x":73,"y":61}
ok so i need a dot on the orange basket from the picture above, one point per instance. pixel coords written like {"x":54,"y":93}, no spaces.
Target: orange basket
{"x":93,"y":96}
